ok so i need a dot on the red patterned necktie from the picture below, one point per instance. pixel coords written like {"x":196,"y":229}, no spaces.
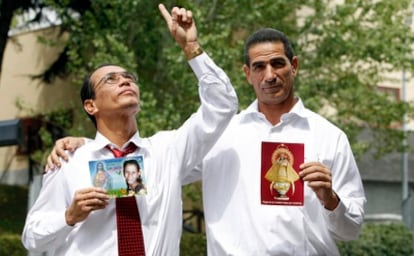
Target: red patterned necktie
{"x":130,"y":238}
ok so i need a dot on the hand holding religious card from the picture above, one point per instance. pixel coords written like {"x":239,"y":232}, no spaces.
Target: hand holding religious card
{"x":119,"y":176}
{"x":280,"y":182}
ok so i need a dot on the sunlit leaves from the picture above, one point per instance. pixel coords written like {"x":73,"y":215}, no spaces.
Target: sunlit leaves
{"x":345,"y":51}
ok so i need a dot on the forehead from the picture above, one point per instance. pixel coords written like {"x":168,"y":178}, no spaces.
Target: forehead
{"x":130,"y":166}
{"x":102,"y":71}
{"x":265,"y":51}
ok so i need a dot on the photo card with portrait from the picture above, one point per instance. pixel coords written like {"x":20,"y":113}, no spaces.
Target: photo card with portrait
{"x":280,"y":181}
{"x":120,"y":177}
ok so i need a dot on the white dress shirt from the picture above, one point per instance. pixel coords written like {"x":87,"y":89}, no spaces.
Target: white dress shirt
{"x":236,"y":221}
{"x":168,"y":157}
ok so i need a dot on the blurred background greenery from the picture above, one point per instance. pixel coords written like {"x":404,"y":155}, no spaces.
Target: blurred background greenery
{"x":345,"y":51}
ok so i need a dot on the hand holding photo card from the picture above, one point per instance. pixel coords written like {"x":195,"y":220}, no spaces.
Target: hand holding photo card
{"x":280,"y":181}
{"x":119,"y":176}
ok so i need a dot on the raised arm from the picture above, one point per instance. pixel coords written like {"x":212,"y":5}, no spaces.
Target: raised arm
{"x":218,"y":98}
{"x":183,"y":29}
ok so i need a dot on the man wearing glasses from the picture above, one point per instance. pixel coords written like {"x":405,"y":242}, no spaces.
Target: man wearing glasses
{"x":72,"y":217}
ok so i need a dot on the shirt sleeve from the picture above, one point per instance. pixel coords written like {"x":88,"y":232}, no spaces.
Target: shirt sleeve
{"x":345,"y":221}
{"x":218,"y":105}
{"x":45,"y":223}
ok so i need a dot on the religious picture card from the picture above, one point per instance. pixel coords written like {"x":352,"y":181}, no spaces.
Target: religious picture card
{"x":119,"y":176}
{"x":280,"y":181}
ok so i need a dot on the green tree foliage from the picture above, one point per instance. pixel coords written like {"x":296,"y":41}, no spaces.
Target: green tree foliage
{"x":345,"y":51}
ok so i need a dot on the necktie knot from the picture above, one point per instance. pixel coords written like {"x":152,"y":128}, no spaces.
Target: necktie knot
{"x":121,"y":153}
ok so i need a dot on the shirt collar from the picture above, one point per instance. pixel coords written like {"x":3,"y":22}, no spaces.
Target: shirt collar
{"x":297,"y":110}
{"x":101,"y":141}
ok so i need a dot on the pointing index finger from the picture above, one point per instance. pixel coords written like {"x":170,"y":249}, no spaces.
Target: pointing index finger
{"x":165,"y":14}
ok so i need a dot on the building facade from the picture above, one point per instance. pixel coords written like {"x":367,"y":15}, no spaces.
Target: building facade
{"x":22,"y":97}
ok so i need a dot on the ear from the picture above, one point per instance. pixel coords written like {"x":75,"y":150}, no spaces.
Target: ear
{"x":246,"y":71}
{"x":295,"y":65}
{"x":90,"y":107}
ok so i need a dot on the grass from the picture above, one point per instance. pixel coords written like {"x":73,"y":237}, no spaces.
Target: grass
{"x":13,"y":205}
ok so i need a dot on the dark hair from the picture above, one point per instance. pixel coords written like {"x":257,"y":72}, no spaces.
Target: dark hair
{"x":88,"y":91}
{"x":266,"y":35}
{"x":133,"y":162}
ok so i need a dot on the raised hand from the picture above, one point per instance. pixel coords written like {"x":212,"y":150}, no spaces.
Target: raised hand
{"x":182,"y":27}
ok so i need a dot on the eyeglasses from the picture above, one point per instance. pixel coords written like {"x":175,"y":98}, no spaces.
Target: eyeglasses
{"x":115,"y":77}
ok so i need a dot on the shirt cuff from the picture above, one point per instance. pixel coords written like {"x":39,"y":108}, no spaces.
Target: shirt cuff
{"x":200,"y":65}
{"x":59,"y":224}
{"x":336,"y":213}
